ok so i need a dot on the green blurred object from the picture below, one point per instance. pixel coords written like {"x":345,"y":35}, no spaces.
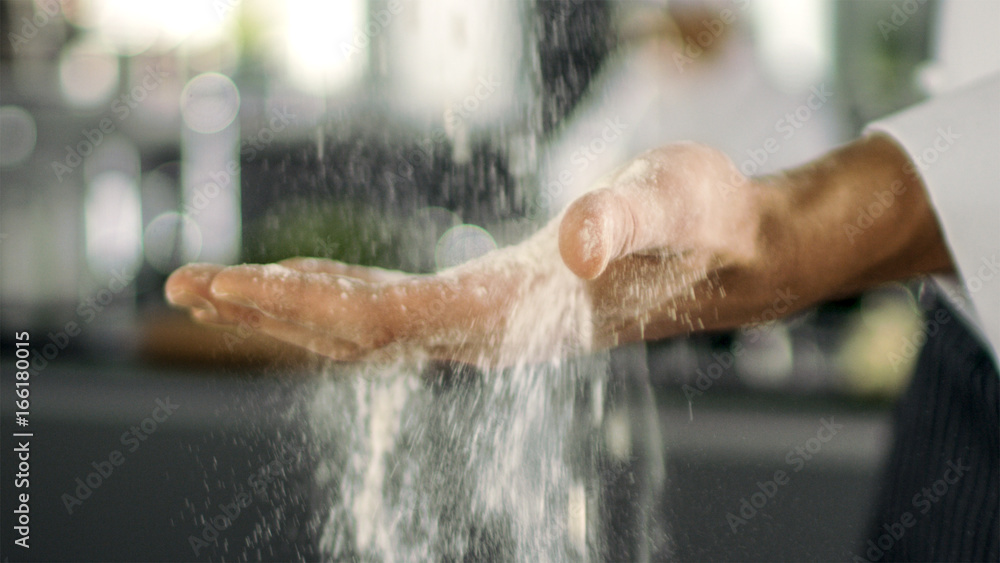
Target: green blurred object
{"x":348,"y":231}
{"x":879,"y":57}
{"x":344,"y":231}
{"x":879,"y":353}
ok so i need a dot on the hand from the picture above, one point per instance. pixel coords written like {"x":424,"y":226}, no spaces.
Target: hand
{"x":675,"y":241}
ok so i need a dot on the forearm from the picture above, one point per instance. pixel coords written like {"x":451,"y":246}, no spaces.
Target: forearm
{"x":677,"y":241}
{"x":859,"y":217}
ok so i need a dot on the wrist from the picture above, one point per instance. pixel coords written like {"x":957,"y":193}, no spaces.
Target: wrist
{"x":782,"y":247}
{"x":858,"y":217}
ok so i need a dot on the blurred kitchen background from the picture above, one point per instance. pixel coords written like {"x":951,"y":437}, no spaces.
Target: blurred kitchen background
{"x":136,"y":136}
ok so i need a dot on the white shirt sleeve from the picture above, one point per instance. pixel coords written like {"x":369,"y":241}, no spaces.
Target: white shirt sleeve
{"x":954,"y":143}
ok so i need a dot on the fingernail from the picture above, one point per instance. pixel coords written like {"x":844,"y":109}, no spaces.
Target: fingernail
{"x":206,"y":316}
{"x":193,"y":302}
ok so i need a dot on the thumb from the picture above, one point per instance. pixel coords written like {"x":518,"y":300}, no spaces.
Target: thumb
{"x":598,"y":228}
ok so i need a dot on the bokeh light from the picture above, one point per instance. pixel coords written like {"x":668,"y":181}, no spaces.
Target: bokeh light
{"x":113,"y":224}
{"x":88,"y":72}
{"x":170,"y":241}
{"x":462,"y":243}
{"x":17,"y":135}
{"x":326,"y":45}
{"x":209,"y":102}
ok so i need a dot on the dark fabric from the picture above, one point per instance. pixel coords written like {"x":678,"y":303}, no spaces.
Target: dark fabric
{"x":939,"y":497}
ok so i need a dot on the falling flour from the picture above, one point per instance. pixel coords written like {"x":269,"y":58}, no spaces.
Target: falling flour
{"x":484,"y":466}
{"x":431,"y":462}
{"x":424,"y":461}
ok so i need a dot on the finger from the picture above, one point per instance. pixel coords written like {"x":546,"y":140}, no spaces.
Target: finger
{"x":247,"y":321}
{"x":188,"y":287}
{"x":315,"y":341}
{"x":596,"y":229}
{"x":325,"y":266}
{"x":609,"y":223}
{"x":639,"y":283}
{"x":344,"y":308}
{"x":665,"y":201}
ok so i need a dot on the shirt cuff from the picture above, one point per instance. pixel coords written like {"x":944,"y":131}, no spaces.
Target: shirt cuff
{"x":954,"y":144}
